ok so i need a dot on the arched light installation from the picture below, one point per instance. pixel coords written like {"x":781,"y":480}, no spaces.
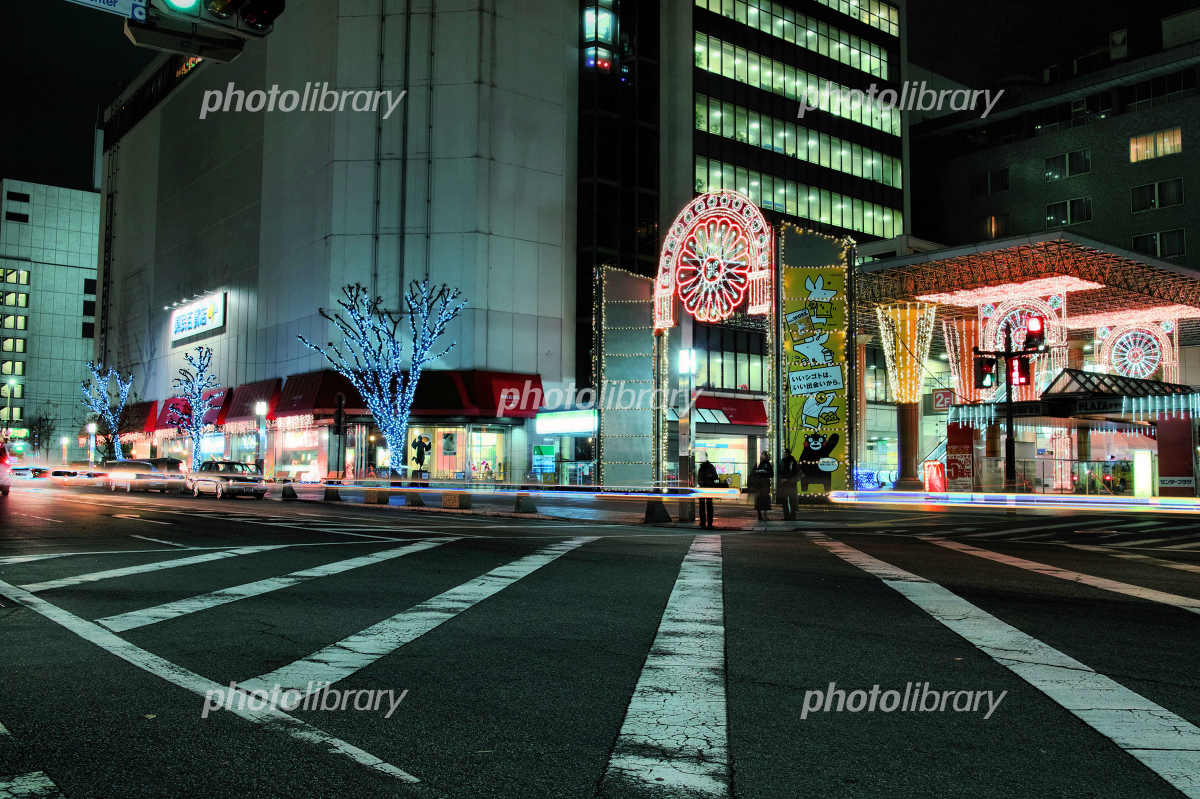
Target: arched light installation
{"x":906,"y":331}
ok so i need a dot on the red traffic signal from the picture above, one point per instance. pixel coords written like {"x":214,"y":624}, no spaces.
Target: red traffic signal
{"x":1035,"y":332}
{"x":1019,"y":371}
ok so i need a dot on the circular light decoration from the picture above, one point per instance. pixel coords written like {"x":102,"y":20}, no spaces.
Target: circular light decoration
{"x":717,"y":253}
{"x":1135,"y":353}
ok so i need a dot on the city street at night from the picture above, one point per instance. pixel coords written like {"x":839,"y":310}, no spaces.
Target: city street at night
{"x":561,"y":658}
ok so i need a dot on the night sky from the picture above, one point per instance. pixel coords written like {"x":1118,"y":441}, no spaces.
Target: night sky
{"x":62,"y":62}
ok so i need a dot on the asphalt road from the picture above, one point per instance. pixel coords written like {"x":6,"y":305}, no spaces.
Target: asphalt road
{"x":1024,"y":654}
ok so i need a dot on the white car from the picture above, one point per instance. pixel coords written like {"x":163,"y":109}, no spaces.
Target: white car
{"x":225,"y":479}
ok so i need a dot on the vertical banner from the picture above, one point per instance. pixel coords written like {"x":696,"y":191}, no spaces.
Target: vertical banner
{"x":814,"y":322}
{"x":960,"y":460}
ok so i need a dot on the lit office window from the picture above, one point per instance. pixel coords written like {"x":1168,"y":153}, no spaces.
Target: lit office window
{"x":1155,"y":145}
{"x":724,"y":119}
{"x":723,"y":58}
{"x":12,"y":367}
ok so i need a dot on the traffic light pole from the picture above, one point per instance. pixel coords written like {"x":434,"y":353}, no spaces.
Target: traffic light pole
{"x":1009,"y":355}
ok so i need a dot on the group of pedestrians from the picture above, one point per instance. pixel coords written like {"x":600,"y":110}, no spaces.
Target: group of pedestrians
{"x":760,"y":486}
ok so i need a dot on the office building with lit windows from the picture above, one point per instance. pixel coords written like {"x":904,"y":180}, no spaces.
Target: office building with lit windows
{"x":1097,"y":146}
{"x":48,"y":251}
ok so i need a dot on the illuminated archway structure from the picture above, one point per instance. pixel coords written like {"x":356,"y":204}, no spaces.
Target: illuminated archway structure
{"x":1109,"y":310}
{"x":717,"y":254}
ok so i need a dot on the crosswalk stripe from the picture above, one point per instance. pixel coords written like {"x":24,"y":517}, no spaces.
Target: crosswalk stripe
{"x":126,"y":571}
{"x":1146,"y":542}
{"x":1169,"y":564}
{"x":673,"y":739}
{"x":1187,"y":545}
{"x":268,"y":717}
{"x":1103,"y":583}
{"x":34,"y":785}
{"x":339,"y":660}
{"x":194,"y":604}
{"x":1164,"y":742}
{"x":1010,"y":530}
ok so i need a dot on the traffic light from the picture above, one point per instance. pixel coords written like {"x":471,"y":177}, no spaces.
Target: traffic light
{"x":245,"y":18}
{"x":1019,"y":371}
{"x":985,"y":372}
{"x":1035,"y":332}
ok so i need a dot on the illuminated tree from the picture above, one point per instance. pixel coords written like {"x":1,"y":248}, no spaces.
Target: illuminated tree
{"x":371,"y":353}
{"x":194,"y":386}
{"x":108,"y":408}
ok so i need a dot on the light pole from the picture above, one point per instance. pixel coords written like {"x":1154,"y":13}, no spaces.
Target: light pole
{"x":64,"y":441}
{"x":260,"y":411}
{"x":91,"y":428}
{"x":12,"y":384}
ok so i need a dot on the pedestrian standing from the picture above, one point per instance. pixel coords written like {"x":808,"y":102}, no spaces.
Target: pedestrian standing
{"x":789,"y":471}
{"x":763,"y":474}
{"x":706,"y":477}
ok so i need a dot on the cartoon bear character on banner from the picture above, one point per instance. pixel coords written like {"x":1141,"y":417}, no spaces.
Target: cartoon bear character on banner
{"x":815,"y":464}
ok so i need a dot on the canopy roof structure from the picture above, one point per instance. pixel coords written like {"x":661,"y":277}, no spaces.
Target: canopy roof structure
{"x":1078,"y":384}
{"x":1104,"y":284}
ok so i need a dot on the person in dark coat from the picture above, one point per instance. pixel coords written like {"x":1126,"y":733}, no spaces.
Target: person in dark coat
{"x":706,"y":477}
{"x":763,"y":474}
{"x":788,"y":472}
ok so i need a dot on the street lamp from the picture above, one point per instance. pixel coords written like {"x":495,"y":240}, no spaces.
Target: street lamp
{"x":64,"y":441}
{"x":91,"y":428}
{"x":12,"y":384}
{"x":260,"y":410}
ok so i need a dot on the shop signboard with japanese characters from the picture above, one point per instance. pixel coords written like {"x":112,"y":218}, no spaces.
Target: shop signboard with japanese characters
{"x":814,"y":332}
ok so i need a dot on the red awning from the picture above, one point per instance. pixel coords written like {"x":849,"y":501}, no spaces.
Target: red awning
{"x":167,"y":420}
{"x":737,"y":410}
{"x":510,"y":394}
{"x":219,"y":405}
{"x":478,"y":393}
{"x":316,"y":393}
{"x":139,"y":418}
{"x":241,"y":409}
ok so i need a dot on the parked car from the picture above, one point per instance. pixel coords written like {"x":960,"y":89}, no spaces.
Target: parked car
{"x":5,"y":472}
{"x":227,"y":479}
{"x":153,"y":474}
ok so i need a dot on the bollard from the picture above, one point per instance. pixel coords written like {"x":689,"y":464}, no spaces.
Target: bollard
{"x":413,"y":500}
{"x":524,"y":503}
{"x":656,"y":512}
{"x":332,"y":495}
{"x":687,"y":510}
{"x":289,"y":492}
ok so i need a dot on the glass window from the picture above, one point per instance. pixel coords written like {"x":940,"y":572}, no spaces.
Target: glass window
{"x":1146,"y":244}
{"x":714,"y":367}
{"x":1170,"y":192}
{"x":1142,"y":197}
{"x":1056,"y":167}
{"x":1080,"y":162}
{"x":741,"y":132}
{"x":1081,"y":210}
{"x":1056,"y":214}
{"x":701,"y":113}
{"x":1171,"y":243}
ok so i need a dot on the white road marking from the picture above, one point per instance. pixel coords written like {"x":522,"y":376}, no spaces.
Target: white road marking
{"x":1169,"y":564}
{"x":1141,"y":543}
{"x":34,"y":785}
{"x":160,"y":541}
{"x":1167,"y":744}
{"x":1103,"y":583}
{"x":269,"y":717}
{"x":125,"y":571}
{"x":340,"y":660}
{"x":673,"y":741}
{"x":1011,"y":530}
{"x":194,"y":604}
{"x":137,"y":517}
{"x":1188,"y":545}
{"x":39,"y":518}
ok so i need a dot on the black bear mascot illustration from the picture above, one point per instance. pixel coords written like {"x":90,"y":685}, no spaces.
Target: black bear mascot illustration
{"x":816,"y":447}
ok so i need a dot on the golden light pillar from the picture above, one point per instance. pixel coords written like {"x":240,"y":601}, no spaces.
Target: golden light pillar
{"x":906,"y":333}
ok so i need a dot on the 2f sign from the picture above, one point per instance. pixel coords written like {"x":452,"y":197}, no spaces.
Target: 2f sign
{"x":943,"y":399}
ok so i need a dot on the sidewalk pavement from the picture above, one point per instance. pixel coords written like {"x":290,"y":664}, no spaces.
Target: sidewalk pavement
{"x":598,"y":509}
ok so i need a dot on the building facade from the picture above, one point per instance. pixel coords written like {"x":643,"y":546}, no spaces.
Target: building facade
{"x":48,"y":249}
{"x":1098,"y":148}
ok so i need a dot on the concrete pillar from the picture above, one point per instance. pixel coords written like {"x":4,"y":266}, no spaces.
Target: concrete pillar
{"x":1083,"y":443}
{"x":991,"y":441}
{"x":908,"y":417}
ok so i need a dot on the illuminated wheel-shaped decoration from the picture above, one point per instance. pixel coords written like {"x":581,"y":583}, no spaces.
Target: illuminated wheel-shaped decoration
{"x":714,"y":269}
{"x":716,"y":255}
{"x":1136,"y":353}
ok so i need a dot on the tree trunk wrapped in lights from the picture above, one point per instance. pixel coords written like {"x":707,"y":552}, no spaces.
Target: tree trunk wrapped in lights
{"x":371,"y":354}
{"x":906,"y":331}
{"x":194,"y":386}
{"x":99,"y":400}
